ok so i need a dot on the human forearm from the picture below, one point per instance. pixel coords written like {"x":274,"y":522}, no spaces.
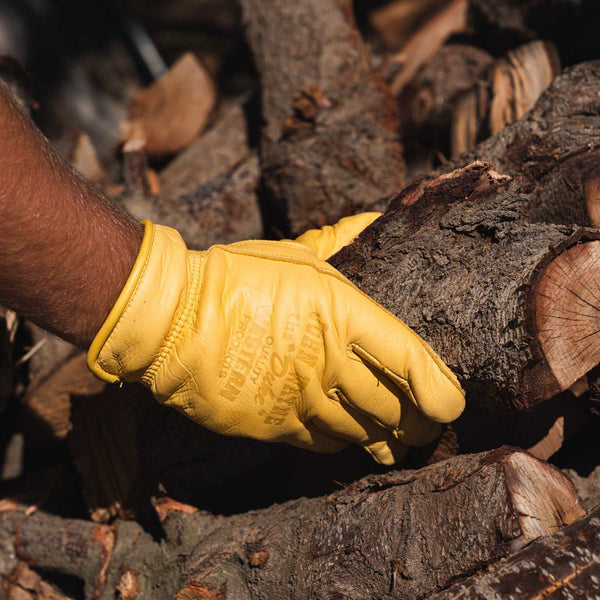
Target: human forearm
{"x":65,"y":250}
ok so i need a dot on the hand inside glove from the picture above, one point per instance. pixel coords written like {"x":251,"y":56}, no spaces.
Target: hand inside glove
{"x":265,"y":340}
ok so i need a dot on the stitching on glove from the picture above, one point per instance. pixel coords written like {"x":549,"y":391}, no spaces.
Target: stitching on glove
{"x":135,"y":292}
{"x":386,"y":371}
{"x":177,"y":327}
{"x":341,"y":398}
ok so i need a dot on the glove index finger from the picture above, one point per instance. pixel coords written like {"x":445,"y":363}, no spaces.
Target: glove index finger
{"x":392,"y":348}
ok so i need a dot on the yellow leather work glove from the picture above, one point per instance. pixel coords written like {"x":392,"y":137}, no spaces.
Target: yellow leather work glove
{"x":328,"y":240}
{"x":262,"y":339}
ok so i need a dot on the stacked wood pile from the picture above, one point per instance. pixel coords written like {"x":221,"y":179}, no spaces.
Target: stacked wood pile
{"x":474,"y":125}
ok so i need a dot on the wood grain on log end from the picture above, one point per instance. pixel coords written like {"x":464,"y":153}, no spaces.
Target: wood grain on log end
{"x":567,"y":307}
{"x":540,"y":514}
{"x":518,"y":81}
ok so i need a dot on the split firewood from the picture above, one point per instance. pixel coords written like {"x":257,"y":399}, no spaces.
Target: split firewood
{"x":566,"y":565}
{"x":329,"y":145}
{"x":77,"y":147}
{"x":171,"y":113}
{"x":470,"y":510}
{"x":553,"y":151}
{"x":208,"y":192}
{"x":396,"y":20}
{"x":514,"y":84}
{"x":424,"y":44}
{"x":46,"y":407}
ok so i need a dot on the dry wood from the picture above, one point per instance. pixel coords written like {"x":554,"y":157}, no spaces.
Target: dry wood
{"x":424,"y":44}
{"x":470,"y":510}
{"x":208,"y":192}
{"x":465,"y":258}
{"x":566,"y":565}
{"x":78,"y":148}
{"x":514,"y":84}
{"x":47,"y":404}
{"x":396,"y":20}
{"x":171,"y":113}
{"x":329,"y":145}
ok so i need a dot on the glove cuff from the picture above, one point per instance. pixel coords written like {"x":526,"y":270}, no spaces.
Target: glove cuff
{"x":141,"y":319}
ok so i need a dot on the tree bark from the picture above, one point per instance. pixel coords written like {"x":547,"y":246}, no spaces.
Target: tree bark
{"x":358,"y":542}
{"x":466,"y":261}
{"x":329,"y":144}
{"x":566,"y":565}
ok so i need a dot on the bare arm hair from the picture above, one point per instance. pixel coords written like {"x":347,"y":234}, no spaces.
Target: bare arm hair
{"x":65,"y":249}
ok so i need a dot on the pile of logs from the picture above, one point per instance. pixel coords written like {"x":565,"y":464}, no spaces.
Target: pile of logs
{"x":474,"y":126}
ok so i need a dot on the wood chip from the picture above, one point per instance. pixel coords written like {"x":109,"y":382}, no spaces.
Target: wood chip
{"x":171,"y":113}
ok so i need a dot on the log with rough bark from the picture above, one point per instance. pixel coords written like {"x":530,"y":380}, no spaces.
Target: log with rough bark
{"x":489,"y":291}
{"x":566,"y":566}
{"x":358,"y":542}
{"x":588,"y":487}
{"x":508,"y":301}
{"x":329,"y":141}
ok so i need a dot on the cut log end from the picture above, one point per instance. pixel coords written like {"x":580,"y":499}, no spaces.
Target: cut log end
{"x":567,"y":312}
{"x":541,"y":514}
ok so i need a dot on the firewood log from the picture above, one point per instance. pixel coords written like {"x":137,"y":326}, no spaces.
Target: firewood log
{"x":329,"y":144}
{"x":565,"y":565}
{"x":474,"y":261}
{"x":400,"y":535}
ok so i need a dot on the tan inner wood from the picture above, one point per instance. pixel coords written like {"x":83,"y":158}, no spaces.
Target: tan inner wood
{"x":568,"y":312}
